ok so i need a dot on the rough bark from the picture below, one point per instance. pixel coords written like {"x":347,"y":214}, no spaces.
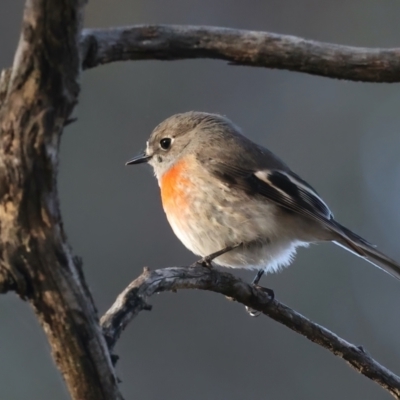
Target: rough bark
{"x":37,"y":96}
{"x":239,"y":47}
{"x":134,"y":299}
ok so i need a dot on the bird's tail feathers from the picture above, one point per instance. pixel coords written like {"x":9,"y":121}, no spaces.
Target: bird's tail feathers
{"x":360,"y":247}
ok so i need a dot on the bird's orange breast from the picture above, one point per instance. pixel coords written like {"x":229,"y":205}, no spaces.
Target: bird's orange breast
{"x":175,"y":188}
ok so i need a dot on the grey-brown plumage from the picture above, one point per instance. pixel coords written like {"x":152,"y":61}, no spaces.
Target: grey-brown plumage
{"x":220,"y":189}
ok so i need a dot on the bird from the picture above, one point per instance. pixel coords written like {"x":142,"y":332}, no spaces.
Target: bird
{"x":220,"y":190}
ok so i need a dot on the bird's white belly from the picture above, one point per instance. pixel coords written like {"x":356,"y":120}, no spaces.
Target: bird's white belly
{"x":207,"y":228}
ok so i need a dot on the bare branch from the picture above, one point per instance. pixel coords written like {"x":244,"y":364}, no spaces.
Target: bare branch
{"x":239,"y":47}
{"x":37,"y":97}
{"x":134,"y":299}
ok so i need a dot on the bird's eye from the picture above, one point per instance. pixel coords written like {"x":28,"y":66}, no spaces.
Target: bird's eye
{"x":165,"y":143}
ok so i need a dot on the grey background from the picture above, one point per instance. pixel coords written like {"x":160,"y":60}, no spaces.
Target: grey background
{"x":342,"y":137}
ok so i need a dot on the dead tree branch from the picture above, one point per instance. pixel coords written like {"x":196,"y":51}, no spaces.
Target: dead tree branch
{"x":134,"y":299}
{"x":37,"y":96}
{"x":239,"y":47}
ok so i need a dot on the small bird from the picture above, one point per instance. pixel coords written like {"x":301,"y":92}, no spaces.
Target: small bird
{"x":220,"y":190}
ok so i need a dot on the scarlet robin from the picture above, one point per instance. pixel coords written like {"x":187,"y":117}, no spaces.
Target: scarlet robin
{"x":220,"y":189}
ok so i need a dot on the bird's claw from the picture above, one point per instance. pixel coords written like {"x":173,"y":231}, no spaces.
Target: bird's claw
{"x":206,"y":262}
{"x":271,"y":295}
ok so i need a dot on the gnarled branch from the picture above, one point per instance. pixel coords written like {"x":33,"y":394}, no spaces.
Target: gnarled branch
{"x":134,"y":299}
{"x":239,"y":47}
{"x":37,"y":96}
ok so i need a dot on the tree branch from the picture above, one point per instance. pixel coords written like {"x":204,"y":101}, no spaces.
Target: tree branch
{"x":239,"y":47}
{"x":134,"y":299}
{"x":37,"y":96}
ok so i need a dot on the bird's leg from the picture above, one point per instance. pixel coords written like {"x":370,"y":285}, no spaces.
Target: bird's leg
{"x":206,"y":261}
{"x":270,"y":292}
{"x":255,"y":281}
{"x":258,"y":276}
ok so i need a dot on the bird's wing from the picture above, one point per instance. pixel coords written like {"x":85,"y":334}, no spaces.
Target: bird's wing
{"x":287,"y":190}
{"x":284,"y":188}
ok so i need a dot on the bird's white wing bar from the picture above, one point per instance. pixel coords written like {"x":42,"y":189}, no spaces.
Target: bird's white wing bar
{"x":296,"y":192}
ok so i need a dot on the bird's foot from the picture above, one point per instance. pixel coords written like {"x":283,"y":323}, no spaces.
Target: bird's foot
{"x":270,"y":293}
{"x":207,"y":260}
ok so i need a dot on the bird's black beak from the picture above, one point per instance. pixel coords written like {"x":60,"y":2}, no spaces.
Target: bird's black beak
{"x":139,"y":159}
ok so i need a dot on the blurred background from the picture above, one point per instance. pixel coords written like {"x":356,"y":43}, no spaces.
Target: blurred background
{"x":342,"y":137}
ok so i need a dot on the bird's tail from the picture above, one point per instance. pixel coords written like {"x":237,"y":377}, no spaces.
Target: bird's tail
{"x":360,"y":247}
